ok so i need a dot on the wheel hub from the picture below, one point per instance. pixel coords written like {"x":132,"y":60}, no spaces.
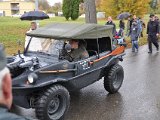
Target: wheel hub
{"x":53,"y":105}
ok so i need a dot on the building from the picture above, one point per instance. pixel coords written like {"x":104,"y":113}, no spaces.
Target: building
{"x":16,"y":7}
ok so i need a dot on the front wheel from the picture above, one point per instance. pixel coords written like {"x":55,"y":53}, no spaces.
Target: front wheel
{"x":114,"y":79}
{"x":53,"y":104}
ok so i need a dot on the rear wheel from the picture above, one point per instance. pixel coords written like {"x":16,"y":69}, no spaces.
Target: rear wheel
{"x":53,"y":104}
{"x":114,"y":79}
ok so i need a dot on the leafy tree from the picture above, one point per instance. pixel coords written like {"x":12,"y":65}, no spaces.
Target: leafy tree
{"x":74,"y":9}
{"x":115,"y":7}
{"x":153,"y":4}
{"x":70,"y":9}
{"x":66,"y":8}
{"x":57,"y":7}
{"x":98,"y":5}
{"x":81,"y":8}
{"x":43,"y":5}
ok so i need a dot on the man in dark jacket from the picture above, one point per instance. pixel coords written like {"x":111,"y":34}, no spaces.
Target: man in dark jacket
{"x":6,"y":90}
{"x":110,"y":22}
{"x":75,"y":50}
{"x":153,"y":33}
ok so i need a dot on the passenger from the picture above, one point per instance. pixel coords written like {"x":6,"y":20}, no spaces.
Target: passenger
{"x":78,"y":51}
{"x":6,"y":91}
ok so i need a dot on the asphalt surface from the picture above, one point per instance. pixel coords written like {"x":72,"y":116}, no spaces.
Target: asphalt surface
{"x":137,"y":99}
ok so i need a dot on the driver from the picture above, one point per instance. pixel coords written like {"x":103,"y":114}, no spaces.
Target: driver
{"x":78,"y":51}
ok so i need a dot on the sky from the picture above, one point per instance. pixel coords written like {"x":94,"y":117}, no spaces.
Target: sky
{"x":52,"y":2}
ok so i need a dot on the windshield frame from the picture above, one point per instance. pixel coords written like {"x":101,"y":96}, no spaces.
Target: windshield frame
{"x":26,"y":49}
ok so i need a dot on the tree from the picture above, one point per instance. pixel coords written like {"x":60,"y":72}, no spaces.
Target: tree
{"x":153,"y":4}
{"x":70,"y":9}
{"x":115,"y":7}
{"x":57,"y":7}
{"x":98,"y":5}
{"x":43,"y":5}
{"x":75,"y":9}
{"x":81,"y":8}
{"x":66,"y":8}
{"x":90,"y":11}
{"x":97,"y":2}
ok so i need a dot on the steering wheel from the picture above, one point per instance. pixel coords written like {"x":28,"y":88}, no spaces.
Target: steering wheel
{"x":66,"y":56}
{"x":92,"y":52}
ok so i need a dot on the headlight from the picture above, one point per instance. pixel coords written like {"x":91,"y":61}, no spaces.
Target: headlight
{"x":32,"y":78}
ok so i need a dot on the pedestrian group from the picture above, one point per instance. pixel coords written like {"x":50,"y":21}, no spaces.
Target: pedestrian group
{"x":134,"y":30}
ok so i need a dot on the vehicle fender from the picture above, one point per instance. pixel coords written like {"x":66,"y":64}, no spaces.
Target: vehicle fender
{"x":50,"y":82}
{"x":114,"y":59}
{"x":37,"y":86}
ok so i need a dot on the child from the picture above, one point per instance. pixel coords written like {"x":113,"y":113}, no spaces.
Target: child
{"x":134,"y":36}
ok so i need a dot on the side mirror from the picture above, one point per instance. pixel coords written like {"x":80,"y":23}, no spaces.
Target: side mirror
{"x":68,"y":47}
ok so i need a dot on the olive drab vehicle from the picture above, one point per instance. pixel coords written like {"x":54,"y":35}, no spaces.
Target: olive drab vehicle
{"x":43,"y":78}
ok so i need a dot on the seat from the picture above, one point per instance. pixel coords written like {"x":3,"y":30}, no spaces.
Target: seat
{"x":92,"y":52}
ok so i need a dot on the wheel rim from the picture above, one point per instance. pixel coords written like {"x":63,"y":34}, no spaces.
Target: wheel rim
{"x":117,"y":80}
{"x":53,"y":105}
{"x":56,"y":107}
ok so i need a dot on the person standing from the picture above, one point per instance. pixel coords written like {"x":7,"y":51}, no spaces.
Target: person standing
{"x":143,"y":25}
{"x":121,"y":24}
{"x":36,"y":43}
{"x":134,"y":36}
{"x":157,"y":19}
{"x":134,"y":18}
{"x":153,"y":33}
{"x":128,"y":26}
{"x":32,"y":27}
{"x":110,"y":22}
{"x":138,"y":24}
{"x":6,"y":90}
{"x":122,"y":27}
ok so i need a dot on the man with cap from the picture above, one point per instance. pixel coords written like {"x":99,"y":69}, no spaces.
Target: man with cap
{"x":153,"y":33}
{"x":6,"y":90}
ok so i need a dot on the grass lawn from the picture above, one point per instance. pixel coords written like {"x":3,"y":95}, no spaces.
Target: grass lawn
{"x":13,"y":29}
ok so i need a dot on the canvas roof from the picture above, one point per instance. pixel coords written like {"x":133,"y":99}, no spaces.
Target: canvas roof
{"x":72,"y":31}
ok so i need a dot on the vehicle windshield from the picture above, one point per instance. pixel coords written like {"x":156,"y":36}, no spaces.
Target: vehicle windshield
{"x":46,"y":45}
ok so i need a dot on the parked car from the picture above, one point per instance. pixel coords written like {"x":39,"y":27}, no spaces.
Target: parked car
{"x":17,"y":15}
{"x":43,"y":79}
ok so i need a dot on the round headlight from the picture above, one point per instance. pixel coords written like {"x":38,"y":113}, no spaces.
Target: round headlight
{"x":32,"y":78}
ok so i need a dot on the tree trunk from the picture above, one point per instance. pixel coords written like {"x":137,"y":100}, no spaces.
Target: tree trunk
{"x":90,"y":11}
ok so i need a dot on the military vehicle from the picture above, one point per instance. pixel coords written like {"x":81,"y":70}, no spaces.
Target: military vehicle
{"x":43,"y":78}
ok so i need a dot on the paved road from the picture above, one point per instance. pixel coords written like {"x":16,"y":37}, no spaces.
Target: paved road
{"x":138,"y":98}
